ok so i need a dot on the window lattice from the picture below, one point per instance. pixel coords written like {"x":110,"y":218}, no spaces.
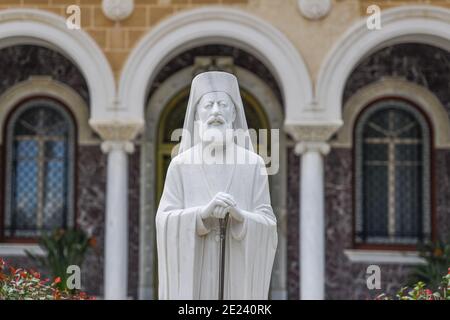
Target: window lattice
{"x":392,"y":174}
{"x":39,"y":170}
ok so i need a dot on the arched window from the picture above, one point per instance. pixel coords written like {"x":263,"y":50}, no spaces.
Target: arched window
{"x":392,"y":141}
{"x":39,"y":170}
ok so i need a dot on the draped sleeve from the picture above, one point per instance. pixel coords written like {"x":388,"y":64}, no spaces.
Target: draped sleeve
{"x":176,"y":238}
{"x":256,"y":238}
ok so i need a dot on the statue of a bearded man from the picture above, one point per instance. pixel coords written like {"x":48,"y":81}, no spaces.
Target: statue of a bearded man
{"x":215,"y":177}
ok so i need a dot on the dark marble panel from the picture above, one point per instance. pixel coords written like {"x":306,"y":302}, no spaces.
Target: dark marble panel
{"x":422,"y":64}
{"x":442,"y":193}
{"x":292,"y":224}
{"x":338,"y":218}
{"x":91,"y":200}
{"x":19,"y":62}
{"x":133,"y":220}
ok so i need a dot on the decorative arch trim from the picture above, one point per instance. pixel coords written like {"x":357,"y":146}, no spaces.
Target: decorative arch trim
{"x":46,"y":86}
{"x":421,"y":24}
{"x":215,"y":25}
{"x":39,"y":27}
{"x":393,"y":87}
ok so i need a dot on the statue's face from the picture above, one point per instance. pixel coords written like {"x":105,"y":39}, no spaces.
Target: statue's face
{"x":216,"y":110}
{"x":215,"y":114}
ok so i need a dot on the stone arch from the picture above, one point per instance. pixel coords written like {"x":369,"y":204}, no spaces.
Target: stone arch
{"x":46,"y":86}
{"x":39,"y":27}
{"x":420,"y":24}
{"x":223,"y":26}
{"x":393,"y":87}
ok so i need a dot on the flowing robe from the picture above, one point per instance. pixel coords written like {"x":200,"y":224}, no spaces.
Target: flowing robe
{"x":188,"y":247}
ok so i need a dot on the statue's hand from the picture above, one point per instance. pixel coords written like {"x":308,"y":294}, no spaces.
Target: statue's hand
{"x":220,"y":201}
{"x":232,"y":208}
{"x":227,"y":198}
{"x":236,"y":213}
{"x":220,"y":212}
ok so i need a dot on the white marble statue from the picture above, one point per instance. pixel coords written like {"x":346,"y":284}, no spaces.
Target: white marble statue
{"x":228,"y":180}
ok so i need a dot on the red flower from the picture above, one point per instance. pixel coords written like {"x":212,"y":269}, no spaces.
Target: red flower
{"x":56,"y":295}
{"x":57,"y":280}
{"x":92,"y":242}
{"x":428,"y":291}
{"x":42,"y":282}
{"x":448,"y":271}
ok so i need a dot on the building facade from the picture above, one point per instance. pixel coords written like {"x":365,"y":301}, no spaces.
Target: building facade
{"x":86,"y":117}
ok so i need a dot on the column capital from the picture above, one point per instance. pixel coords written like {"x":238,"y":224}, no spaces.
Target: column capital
{"x":311,"y":131}
{"x":117,"y":130}
{"x":313,"y":146}
{"x":124,"y":145}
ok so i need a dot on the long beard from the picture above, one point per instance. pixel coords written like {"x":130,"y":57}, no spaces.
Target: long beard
{"x":219,"y":135}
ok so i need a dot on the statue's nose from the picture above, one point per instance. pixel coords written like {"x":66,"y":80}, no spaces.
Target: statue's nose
{"x":216,"y":109}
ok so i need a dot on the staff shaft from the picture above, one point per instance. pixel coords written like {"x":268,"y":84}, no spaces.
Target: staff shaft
{"x":223,"y":233}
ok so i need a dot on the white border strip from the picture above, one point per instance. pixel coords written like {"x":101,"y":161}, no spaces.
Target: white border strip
{"x":18,"y":250}
{"x":384,"y":256}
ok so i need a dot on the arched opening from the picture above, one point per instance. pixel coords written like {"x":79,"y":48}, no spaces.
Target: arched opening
{"x":394,"y":175}
{"x":49,"y":171}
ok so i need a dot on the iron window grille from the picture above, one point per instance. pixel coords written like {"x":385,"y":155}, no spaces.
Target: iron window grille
{"x":392,"y":175}
{"x":39,"y":169}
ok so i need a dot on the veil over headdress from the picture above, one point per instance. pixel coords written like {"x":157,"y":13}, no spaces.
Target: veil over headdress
{"x":214,"y":81}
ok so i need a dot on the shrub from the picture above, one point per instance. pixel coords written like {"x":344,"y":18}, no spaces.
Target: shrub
{"x":22,"y":284}
{"x":421,"y":292}
{"x":437,"y":259}
{"x":63,"y":248}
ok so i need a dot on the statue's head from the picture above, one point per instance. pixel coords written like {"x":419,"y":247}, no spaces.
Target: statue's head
{"x":215,"y":114}
{"x":216,"y":111}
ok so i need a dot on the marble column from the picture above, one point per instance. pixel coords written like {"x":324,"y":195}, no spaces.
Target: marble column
{"x":116,"y":225}
{"x":312,"y":219}
{"x":117,"y":144}
{"x":311,"y":144}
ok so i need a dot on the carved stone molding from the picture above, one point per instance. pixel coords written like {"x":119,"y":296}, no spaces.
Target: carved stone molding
{"x":311,"y":132}
{"x":108,"y":146}
{"x":314,"y":9}
{"x":115,"y":130}
{"x":117,"y":10}
{"x":303,"y":147}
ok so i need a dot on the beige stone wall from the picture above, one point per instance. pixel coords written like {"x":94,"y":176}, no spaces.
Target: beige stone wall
{"x":313,"y":39}
{"x":386,"y":4}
